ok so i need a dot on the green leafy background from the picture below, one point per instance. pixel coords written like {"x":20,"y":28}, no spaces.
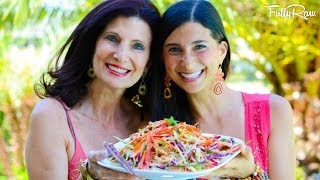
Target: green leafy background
{"x":270,"y":54}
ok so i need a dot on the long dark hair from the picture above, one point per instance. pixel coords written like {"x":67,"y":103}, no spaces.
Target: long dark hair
{"x":199,"y":11}
{"x":68,"y":81}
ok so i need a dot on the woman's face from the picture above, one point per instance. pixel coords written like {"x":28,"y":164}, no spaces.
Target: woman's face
{"x":192,"y":57}
{"x":122,"y":52}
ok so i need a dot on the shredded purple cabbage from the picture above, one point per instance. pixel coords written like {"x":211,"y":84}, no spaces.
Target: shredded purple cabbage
{"x":173,"y":162}
{"x":161,"y":167}
{"x":232,"y":141}
{"x":139,"y":158}
{"x":216,"y":156}
{"x":213,"y":146}
{"x":180,"y":145}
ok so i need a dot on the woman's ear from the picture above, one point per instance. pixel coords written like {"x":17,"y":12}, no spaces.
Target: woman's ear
{"x":223,"y":49}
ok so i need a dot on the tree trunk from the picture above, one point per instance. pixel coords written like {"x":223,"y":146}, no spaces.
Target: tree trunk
{"x":4,"y":158}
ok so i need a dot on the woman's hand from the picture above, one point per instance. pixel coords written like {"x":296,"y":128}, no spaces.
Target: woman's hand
{"x":99,"y":172}
{"x":241,"y":166}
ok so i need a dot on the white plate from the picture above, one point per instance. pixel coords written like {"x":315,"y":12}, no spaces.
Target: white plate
{"x":165,"y":174}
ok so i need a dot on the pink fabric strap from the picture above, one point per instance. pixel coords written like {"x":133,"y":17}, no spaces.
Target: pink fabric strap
{"x":68,"y":119}
{"x":79,"y":154}
{"x":257,"y":126}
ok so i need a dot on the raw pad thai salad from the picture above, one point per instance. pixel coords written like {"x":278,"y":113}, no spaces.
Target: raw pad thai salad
{"x":170,"y":145}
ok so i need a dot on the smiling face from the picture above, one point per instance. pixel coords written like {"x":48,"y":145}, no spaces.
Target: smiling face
{"x":122,"y":52}
{"x":192,"y":57}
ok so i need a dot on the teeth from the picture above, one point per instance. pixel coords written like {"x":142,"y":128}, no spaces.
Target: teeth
{"x":191,"y":75}
{"x":118,"y":70}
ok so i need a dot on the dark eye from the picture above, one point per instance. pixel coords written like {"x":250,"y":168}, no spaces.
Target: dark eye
{"x":199,"y":46}
{"x":111,"y":38}
{"x":138,"y":46}
{"x":174,"y":50}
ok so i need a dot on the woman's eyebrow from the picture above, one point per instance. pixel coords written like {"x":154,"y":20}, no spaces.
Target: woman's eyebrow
{"x":171,"y":44}
{"x":175,"y":44}
{"x":198,"y":41}
{"x":110,"y":32}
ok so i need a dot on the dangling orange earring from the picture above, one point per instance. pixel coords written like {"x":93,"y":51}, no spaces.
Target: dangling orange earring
{"x":167,"y":92}
{"x":217,"y":89}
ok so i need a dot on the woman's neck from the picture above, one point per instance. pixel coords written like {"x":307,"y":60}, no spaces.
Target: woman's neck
{"x":207,"y":106}
{"x":103,"y":103}
{"x":219,"y":114}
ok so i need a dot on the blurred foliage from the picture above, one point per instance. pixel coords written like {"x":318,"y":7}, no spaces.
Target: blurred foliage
{"x":283,"y":49}
{"x":299,"y":173}
{"x":27,"y":29}
{"x":282,"y":52}
{"x":286,"y":52}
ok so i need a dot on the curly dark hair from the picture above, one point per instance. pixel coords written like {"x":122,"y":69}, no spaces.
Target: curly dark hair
{"x":68,"y":81}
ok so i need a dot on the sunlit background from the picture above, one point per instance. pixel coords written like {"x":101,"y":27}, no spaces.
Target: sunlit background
{"x":270,"y":54}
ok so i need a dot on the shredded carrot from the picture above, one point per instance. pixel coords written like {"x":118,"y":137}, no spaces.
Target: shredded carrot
{"x":169,"y":145}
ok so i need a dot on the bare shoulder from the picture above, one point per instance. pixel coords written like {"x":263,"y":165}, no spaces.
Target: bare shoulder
{"x":47,"y":105}
{"x":48,"y":125}
{"x":279,"y":105}
{"x":47,"y":142}
{"x":280,"y":110}
{"x":47,"y":111}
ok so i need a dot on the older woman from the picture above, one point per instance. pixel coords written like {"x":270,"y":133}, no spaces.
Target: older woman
{"x":96,"y":92}
{"x":196,"y":59}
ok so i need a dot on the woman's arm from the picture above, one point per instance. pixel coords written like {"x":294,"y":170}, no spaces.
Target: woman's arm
{"x":281,"y":148}
{"x":46,"y":154}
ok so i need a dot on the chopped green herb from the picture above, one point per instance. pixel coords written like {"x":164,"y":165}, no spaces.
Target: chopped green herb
{"x":172,"y":121}
{"x":223,"y":140}
{"x":198,"y":166}
{"x":125,"y":156}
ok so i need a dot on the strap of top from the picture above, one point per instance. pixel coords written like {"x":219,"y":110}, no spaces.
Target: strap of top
{"x":257,"y":126}
{"x":68,"y":119}
{"x":79,"y":154}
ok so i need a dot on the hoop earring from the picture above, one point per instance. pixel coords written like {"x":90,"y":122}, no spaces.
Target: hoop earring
{"x":142,"y":90}
{"x":218,"y":89}
{"x":167,"y":92}
{"x":90,"y":72}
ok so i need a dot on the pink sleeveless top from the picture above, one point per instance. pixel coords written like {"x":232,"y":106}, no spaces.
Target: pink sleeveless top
{"x":257,"y":126}
{"x":79,"y":154}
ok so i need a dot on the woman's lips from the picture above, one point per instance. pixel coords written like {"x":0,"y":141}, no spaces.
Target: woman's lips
{"x":117,"y":70}
{"x":191,"y":77}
